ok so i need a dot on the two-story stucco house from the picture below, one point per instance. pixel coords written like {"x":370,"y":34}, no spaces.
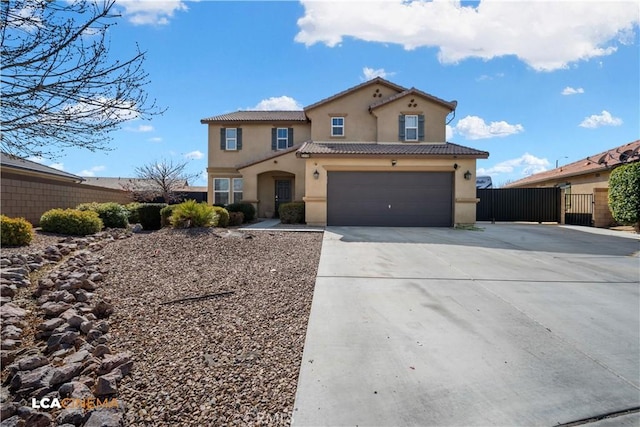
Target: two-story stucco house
{"x":374,"y":154}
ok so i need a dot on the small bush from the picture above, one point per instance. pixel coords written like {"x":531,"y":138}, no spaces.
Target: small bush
{"x":15,"y":231}
{"x":112,"y":214}
{"x":624,"y":194}
{"x":165,"y":215}
{"x":236,"y":218}
{"x":291,"y":213}
{"x":222,"y":217}
{"x":149,"y":215}
{"x":71,"y":221}
{"x":247,"y":210}
{"x":132,"y":212}
{"x":191,"y":214}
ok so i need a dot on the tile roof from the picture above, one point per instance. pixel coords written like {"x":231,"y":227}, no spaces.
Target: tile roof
{"x":269,"y":156}
{"x":258,"y":116}
{"x":15,"y":162}
{"x":379,"y":80}
{"x":413,"y":91}
{"x":606,"y":160}
{"x":376,"y":148}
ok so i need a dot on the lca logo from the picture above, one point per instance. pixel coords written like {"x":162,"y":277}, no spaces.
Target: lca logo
{"x":55,"y":403}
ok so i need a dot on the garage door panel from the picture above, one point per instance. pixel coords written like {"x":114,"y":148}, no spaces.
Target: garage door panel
{"x":416,"y":199}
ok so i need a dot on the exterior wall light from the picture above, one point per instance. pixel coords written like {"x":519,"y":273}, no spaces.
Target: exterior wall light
{"x":316,"y":174}
{"x":394,"y":162}
{"x":467,"y":175}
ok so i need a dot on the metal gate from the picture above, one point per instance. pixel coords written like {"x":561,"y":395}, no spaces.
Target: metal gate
{"x":578,"y":209}
{"x":519,"y":204}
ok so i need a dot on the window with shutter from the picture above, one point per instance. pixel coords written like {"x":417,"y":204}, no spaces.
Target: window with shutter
{"x":230,"y":139}
{"x":282,"y":138}
{"x":290,"y":137}
{"x":274,"y":139}
{"x":421,"y":127}
{"x":410,"y":128}
{"x":401,"y":127}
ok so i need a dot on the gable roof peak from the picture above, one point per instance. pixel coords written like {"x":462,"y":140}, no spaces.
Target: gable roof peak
{"x":375,"y":80}
{"x":451,"y":105}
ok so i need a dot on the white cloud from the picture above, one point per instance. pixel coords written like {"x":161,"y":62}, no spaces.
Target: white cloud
{"x":155,"y":139}
{"x":141,"y":128}
{"x":603,"y":119}
{"x":572,"y":91}
{"x":108,"y":108}
{"x":285,"y":103}
{"x":474,"y":127}
{"x":145,"y":12}
{"x":524,"y":165}
{"x":370,"y":73}
{"x":449,"y":132}
{"x":92,"y":171}
{"x":528,"y":30}
{"x":46,"y":162}
{"x":58,"y":165}
{"x":194,"y":155}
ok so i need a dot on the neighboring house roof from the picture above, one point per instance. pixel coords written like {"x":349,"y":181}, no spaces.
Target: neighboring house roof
{"x":137,"y":184}
{"x":14,"y":162}
{"x":376,"y":148}
{"x":607,"y":160}
{"x":269,"y":156}
{"x":379,"y":80}
{"x":413,"y":91}
{"x":258,"y":116}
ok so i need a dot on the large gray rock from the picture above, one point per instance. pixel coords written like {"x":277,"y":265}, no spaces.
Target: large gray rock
{"x":50,"y":324}
{"x":11,"y":332}
{"x":108,"y":384}
{"x":10,"y":310}
{"x":120,"y":360}
{"x":7,"y":290}
{"x":34,"y":379}
{"x":103,"y":309}
{"x":105,"y":418}
{"x":71,"y":416}
{"x":63,"y":374}
{"x":32,"y":362}
{"x":53,"y":309}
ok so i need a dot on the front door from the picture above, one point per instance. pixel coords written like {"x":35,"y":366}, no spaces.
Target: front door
{"x":283,"y":193}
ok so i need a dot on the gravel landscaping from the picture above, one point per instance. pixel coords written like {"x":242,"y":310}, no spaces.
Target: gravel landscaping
{"x":231,"y":359}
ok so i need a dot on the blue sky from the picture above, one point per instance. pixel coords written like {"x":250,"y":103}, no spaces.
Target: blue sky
{"x":535,"y":82}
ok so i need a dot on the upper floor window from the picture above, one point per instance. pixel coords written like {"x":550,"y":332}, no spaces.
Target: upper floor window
{"x":281,"y":138}
{"x":231,"y":139}
{"x":337,"y":126}
{"x":411,"y":127}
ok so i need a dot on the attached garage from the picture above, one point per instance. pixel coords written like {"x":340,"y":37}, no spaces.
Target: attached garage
{"x":390,"y":199}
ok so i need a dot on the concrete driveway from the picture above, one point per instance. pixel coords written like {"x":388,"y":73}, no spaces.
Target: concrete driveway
{"x":514,"y":325}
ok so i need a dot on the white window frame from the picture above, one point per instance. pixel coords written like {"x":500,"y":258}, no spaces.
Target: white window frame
{"x":407,"y":127}
{"x":235,"y":192}
{"x":216,"y":192}
{"x":285,"y":138}
{"x":336,"y":126}
{"x":231,"y":142}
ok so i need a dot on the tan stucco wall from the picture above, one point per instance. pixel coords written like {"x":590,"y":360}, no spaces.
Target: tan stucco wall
{"x":464,"y":209}
{"x":256,"y":142}
{"x":360,"y":125}
{"x":259,"y":180}
{"x":434,"y":118}
{"x":30,"y":196}
{"x":601,"y":213}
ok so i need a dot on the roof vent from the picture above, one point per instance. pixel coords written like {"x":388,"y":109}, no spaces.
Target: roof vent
{"x":625,"y":155}
{"x":602,"y":160}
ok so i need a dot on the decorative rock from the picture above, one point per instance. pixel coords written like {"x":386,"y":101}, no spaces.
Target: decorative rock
{"x":9,"y":344}
{"x":136,"y":228}
{"x":8,"y":410}
{"x":75,"y":321}
{"x":39,"y":419}
{"x":76,"y":390}
{"x":85,"y":327}
{"x":37,"y":378}
{"x":78,"y":356}
{"x":93,"y":335}
{"x":32,"y":362}
{"x":7,"y":290}
{"x":102,"y":326}
{"x":12,"y":421}
{"x":111,"y":362}
{"x":10,"y":310}
{"x":103,"y":309}
{"x":101,"y":350}
{"x":71,"y":416}
{"x":96,"y":277}
{"x":11,"y":332}
{"x":65,"y":373}
{"x":59,"y":339}
{"x":105,"y":418}
{"x":108,"y":384}
{"x":52,"y":309}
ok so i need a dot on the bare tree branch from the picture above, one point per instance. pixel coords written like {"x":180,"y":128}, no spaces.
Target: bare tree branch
{"x":163,"y":179}
{"x":59,"y":87}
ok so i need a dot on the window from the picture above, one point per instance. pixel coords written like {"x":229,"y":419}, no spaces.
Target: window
{"x":411,"y":128}
{"x":283,"y":138}
{"x":221,"y":191}
{"x":231,"y":139}
{"x":337,"y":126}
{"x":237,"y":190}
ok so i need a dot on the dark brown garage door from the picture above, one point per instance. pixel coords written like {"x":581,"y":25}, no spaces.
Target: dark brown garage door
{"x":390,"y":199}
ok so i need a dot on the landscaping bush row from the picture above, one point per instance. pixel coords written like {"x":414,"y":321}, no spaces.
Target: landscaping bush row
{"x":291,"y":213}
{"x":71,"y":221}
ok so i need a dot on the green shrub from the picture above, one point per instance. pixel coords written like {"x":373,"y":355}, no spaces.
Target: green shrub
{"x":71,"y":221}
{"x":149,"y":215}
{"x":222,"y":217}
{"x":165,"y":215}
{"x":236,"y":218}
{"x":112,"y":214}
{"x":15,"y":231}
{"x":132,"y":212}
{"x":191,"y":214}
{"x":624,"y":194}
{"x":291,"y":213}
{"x":247,"y":210}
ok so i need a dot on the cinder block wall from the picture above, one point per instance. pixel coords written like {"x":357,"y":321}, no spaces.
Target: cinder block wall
{"x":601,"y":214}
{"x":29,"y":197}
